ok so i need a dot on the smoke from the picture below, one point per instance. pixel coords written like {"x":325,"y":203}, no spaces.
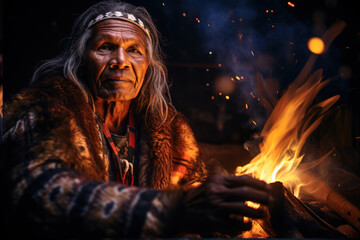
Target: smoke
{"x":250,"y":37}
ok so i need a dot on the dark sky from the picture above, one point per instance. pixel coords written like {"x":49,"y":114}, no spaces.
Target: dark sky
{"x":260,"y":36}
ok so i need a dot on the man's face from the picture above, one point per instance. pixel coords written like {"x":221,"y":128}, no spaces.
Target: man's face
{"x":116,"y":60}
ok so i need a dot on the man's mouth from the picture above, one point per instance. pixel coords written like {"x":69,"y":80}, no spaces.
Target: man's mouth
{"x":117,"y":83}
{"x":117,"y":80}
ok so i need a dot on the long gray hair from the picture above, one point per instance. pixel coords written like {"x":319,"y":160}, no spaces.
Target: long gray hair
{"x":154,"y":98}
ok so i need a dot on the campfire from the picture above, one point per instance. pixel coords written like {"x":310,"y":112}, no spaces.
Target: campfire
{"x":280,"y":156}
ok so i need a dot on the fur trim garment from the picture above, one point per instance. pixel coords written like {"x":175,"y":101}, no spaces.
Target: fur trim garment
{"x":58,"y":181}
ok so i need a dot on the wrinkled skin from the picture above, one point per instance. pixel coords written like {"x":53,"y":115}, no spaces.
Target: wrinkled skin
{"x":218,"y":205}
{"x":117,"y":62}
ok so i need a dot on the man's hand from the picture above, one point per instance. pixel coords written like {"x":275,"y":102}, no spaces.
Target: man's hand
{"x":218,"y":205}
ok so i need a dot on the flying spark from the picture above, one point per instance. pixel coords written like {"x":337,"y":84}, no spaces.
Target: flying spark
{"x":291,"y":4}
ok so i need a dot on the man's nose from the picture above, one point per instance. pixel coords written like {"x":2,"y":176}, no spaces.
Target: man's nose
{"x":119,"y":59}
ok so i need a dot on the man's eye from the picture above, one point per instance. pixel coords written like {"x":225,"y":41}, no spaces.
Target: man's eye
{"x":105,"y":47}
{"x":134,"y":50}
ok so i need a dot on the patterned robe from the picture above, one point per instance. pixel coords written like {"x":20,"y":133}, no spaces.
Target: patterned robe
{"x":57,"y":180}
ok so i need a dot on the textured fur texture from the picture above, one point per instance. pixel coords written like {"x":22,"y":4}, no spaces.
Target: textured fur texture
{"x":66,"y":128}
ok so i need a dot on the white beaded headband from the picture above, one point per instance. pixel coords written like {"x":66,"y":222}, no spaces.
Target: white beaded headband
{"x":122,"y":16}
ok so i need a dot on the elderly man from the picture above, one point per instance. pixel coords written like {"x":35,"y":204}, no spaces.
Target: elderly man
{"x":95,"y":148}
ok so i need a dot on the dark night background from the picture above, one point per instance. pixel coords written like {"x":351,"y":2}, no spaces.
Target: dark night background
{"x":209,"y":42}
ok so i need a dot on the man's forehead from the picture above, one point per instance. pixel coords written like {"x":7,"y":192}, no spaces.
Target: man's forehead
{"x":115,"y":27}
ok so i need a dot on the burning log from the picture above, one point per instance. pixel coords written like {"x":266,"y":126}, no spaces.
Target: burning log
{"x":325,"y":194}
{"x":289,"y":217}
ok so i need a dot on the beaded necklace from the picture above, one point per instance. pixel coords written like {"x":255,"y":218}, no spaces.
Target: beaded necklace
{"x":124,"y":167}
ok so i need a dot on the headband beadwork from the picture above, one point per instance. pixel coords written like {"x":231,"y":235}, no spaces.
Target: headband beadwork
{"x":122,"y":16}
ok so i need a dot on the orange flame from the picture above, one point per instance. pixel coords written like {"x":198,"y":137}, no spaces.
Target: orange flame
{"x":285,"y":133}
{"x":290,"y":124}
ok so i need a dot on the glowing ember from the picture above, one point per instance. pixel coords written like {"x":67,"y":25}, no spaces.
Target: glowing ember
{"x":291,"y":4}
{"x":252,"y":204}
{"x":316,"y":45}
{"x":285,"y":133}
